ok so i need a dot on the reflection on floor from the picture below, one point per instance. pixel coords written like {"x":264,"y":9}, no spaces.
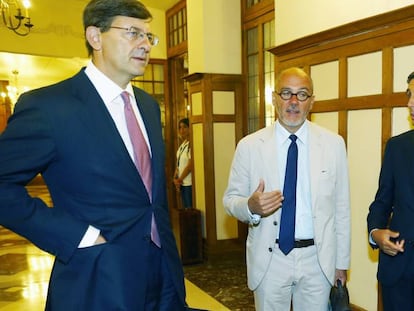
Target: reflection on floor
{"x":25,"y":271}
{"x":24,"y":276}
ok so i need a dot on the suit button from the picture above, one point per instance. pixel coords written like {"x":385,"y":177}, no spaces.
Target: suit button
{"x":270,"y":249}
{"x":275,"y":223}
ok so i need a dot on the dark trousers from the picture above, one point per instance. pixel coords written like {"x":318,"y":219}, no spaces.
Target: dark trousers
{"x":128,"y":273}
{"x":161,"y":293}
{"x":187,"y":196}
{"x":400,"y":296}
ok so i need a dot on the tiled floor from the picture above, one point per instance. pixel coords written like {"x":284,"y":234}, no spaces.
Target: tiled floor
{"x":24,"y":275}
{"x":223,"y":276}
{"x":25,"y":270}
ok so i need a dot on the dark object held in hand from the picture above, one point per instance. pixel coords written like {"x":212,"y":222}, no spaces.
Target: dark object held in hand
{"x":339,"y":298}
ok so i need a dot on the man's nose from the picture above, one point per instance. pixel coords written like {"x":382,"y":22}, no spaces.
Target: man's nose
{"x":294,"y":99}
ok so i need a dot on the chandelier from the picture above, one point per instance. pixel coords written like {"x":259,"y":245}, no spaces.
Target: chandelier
{"x":13,"y":16}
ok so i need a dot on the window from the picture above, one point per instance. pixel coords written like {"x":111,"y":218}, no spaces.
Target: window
{"x":153,"y":83}
{"x":258,"y":67}
{"x":176,"y":19}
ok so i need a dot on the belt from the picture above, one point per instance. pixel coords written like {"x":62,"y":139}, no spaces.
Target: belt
{"x":301,"y":243}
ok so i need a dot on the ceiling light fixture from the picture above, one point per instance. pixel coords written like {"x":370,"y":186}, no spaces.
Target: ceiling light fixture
{"x":13,"y":16}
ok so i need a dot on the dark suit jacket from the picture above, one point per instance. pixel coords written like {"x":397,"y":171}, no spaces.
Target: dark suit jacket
{"x":65,"y":132}
{"x":393,"y":206}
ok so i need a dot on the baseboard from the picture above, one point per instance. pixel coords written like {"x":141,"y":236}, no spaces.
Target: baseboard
{"x":222,"y":247}
{"x":356,"y":308}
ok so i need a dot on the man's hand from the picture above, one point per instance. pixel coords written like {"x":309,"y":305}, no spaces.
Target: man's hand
{"x":341,"y":275}
{"x":264,"y":203}
{"x":383,"y":239}
{"x":177,"y":182}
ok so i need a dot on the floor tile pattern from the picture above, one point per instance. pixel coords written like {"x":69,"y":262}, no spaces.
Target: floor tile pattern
{"x":223,"y":276}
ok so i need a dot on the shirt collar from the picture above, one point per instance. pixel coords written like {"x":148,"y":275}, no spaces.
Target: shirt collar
{"x":107,"y":89}
{"x":301,"y":133}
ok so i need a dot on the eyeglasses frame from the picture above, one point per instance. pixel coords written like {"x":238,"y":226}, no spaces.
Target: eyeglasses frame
{"x":140,"y":34}
{"x":296,"y":94}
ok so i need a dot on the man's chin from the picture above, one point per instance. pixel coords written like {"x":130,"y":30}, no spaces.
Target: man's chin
{"x":293,"y":123}
{"x":138,"y":72}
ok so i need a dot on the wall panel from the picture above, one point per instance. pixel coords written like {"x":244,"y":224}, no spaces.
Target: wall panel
{"x":224,"y":146}
{"x":359,"y":71}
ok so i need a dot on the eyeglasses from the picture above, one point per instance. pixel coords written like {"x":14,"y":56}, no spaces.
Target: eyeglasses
{"x":134,"y":34}
{"x":287,"y":94}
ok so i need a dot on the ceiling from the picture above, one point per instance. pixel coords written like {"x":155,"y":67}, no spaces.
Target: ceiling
{"x":39,"y":70}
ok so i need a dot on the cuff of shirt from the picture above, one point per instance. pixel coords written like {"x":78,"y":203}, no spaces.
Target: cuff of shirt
{"x":90,"y":237}
{"x":371,"y":240}
{"x":254,"y":218}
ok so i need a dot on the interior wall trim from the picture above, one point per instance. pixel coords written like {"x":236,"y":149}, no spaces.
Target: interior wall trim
{"x":357,"y":28}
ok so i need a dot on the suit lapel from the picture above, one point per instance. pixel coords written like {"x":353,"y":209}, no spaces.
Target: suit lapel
{"x":269,"y":155}
{"x":315,"y":165}
{"x":97,"y":120}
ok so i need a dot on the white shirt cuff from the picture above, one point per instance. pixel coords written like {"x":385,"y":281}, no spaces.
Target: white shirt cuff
{"x":371,"y":240}
{"x":254,"y":218}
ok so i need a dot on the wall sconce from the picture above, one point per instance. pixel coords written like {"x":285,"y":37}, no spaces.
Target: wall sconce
{"x":13,"y":17}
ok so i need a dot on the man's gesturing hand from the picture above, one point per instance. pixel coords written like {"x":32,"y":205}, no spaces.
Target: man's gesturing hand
{"x":264,"y":203}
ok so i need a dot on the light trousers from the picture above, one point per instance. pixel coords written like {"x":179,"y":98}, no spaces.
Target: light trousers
{"x":295,"y":279}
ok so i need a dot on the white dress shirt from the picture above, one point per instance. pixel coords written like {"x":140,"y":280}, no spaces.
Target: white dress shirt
{"x":303,"y":222}
{"x":110,"y":93}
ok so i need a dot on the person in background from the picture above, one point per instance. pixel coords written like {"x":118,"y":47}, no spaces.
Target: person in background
{"x":297,"y":207}
{"x":182,"y":175}
{"x":109,"y":227}
{"x":390,"y":218}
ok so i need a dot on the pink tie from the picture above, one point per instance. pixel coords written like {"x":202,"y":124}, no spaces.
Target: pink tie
{"x":142,"y":158}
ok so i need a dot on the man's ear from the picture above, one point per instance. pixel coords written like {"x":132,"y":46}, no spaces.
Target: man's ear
{"x":93,"y":35}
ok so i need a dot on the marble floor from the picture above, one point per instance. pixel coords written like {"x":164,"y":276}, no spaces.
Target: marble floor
{"x":223,"y":276}
{"x":25,"y":270}
{"x":24,"y":275}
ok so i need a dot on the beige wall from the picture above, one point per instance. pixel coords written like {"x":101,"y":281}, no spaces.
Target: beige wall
{"x":318,"y":15}
{"x":364,"y":126}
{"x":55,"y":48}
{"x":58,"y":31}
{"x":224,"y":146}
{"x":364,"y":152}
{"x":214,"y":36}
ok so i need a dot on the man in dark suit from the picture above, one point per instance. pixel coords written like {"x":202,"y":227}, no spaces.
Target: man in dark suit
{"x":391,"y":216}
{"x":105,"y":219}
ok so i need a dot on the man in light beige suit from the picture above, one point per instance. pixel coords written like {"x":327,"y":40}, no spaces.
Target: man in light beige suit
{"x":303,"y":275}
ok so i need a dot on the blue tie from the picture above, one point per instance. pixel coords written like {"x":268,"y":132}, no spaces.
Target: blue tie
{"x":287,"y":223}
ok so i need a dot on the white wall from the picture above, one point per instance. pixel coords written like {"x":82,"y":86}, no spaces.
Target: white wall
{"x":300,"y":18}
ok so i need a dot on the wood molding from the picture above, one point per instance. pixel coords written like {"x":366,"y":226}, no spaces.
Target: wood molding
{"x":207,"y":84}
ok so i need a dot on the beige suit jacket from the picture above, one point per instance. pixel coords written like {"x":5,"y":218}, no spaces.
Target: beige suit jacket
{"x":255,"y":158}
